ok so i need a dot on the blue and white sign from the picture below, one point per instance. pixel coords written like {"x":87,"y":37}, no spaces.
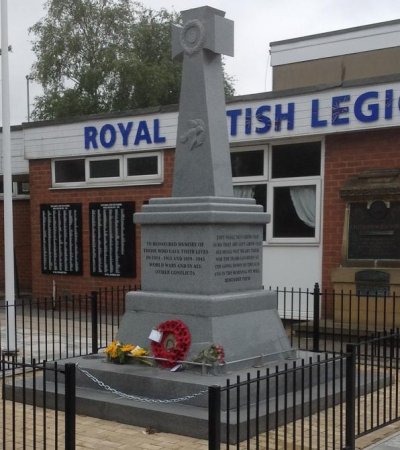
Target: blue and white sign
{"x":318,"y":113}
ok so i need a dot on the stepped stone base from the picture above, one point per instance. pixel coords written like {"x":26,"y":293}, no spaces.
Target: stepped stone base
{"x":188,"y":417}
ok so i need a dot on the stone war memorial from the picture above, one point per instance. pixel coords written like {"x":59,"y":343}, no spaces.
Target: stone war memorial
{"x":201,"y":268}
{"x":202,"y":248}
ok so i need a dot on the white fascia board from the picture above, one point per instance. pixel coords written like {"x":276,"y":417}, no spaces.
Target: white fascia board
{"x":68,"y":140}
{"x":328,"y":45}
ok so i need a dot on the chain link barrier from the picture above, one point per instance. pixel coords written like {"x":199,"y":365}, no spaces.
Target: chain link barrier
{"x":138,"y":398}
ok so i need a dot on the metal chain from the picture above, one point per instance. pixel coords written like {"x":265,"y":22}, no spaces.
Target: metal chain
{"x":137,"y":398}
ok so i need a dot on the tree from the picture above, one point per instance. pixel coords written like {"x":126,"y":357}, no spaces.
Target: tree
{"x":104,"y":55}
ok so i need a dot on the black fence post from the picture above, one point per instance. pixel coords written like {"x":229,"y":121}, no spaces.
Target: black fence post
{"x":70,"y":406}
{"x":94,"y":309}
{"x":316,"y":331}
{"x":350,"y":436}
{"x":214,"y":418}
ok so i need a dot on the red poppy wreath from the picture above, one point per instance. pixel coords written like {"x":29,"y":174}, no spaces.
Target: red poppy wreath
{"x":174,"y":344}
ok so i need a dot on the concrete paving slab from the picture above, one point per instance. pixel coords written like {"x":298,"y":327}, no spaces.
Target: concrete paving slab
{"x":391,"y":443}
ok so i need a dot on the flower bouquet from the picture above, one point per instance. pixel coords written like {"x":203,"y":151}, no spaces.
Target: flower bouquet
{"x":119,"y":353}
{"x":212,"y":354}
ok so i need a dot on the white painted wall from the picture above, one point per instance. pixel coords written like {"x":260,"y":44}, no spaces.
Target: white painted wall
{"x":337,"y":43}
{"x":297,"y":267}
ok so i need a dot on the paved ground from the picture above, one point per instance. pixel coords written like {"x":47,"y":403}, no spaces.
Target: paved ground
{"x":137,"y":438}
{"x":389,"y":443}
{"x":99,"y":434}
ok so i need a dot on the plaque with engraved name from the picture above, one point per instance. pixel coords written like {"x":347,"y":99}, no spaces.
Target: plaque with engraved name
{"x":374,"y":230}
{"x":112,"y":239}
{"x":61,"y":238}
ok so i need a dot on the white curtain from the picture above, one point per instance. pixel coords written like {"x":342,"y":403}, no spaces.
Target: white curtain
{"x":304,"y":201}
{"x":243,"y":191}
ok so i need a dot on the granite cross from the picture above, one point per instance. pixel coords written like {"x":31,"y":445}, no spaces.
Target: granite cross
{"x":202,"y":158}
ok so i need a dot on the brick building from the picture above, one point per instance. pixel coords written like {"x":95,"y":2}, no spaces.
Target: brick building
{"x":320,"y":152}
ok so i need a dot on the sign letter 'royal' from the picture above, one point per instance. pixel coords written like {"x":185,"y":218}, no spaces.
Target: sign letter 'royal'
{"x":129,"y":133}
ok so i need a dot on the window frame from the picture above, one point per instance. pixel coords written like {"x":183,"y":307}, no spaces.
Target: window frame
{"x":286,"y":182}
{"x":257,"y":179}
{"x":296,"y":181}
{"x":54,"y":183}
{"x":97,"y":180}
{"x":122,"y":180}
{"x":14,"y":190}
{"x":271,"y":183}
{"x":150,"y":177}
{"x":286,"y":143}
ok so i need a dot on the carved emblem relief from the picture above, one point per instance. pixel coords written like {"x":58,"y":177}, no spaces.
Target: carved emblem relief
{"x":195,"y":135}
{"x":192,"y":36}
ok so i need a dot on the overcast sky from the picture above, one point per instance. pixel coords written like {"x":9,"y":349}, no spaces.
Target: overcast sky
{"x":257,"y":23}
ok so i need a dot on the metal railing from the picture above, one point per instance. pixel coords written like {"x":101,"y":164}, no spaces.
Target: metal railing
{"x":33,"y":414}
{"x":296,"y":406}
{"x":323,"y":403}
{"x":326,"y":320}
{"x":78,"y":325}
{"x":65,"y":327}
{"x":375,"y":385}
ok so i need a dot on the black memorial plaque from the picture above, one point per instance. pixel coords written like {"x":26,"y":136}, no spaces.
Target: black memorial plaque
{"x":374,"y":230}
{"x":61,"y":238}
{"x":372,"y":282}
{"x":112,"y":239}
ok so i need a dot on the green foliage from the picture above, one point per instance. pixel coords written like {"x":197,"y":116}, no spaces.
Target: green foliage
{"x":104,"y":55}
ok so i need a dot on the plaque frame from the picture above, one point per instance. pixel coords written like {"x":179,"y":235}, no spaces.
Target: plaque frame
{"x":61,"y":238}
{"x":106,"y":259}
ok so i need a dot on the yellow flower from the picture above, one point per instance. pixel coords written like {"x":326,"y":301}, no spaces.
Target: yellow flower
{"x":139,"y":351}
{"x":127,"y":348}
{"x":113,"y":349}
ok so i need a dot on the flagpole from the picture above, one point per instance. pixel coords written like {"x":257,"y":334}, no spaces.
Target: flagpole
{"x":7,"y":183}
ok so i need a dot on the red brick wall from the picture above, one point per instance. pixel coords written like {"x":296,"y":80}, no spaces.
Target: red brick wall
{"x":346,"y":155}
{"x":22,"y":244}
{"x":40,"y":184}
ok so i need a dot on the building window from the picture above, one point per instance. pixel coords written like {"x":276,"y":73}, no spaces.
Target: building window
{"x":249,"y":173}
{"x":296,"y":160}
{"x":250,"y":164}
{"x":256,"y":191}
{"x":290,"y":191}
{"x":143,"y":166}
{"x":110,"y":171}
{"x":295,"y":193}
{"x":104,"y":168}
{"x":20,"y":186}
{"x":294,"y":212}
{"x":247,"y":164}
{"x":69,"y":171}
